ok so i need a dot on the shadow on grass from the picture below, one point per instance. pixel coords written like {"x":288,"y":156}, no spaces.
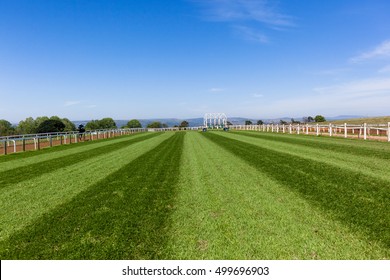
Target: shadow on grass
{"x":361,"y":202}
{"x":124,"y":216}
{"x":28,"y":172}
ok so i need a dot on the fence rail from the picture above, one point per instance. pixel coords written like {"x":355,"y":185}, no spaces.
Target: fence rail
{"x":364,"y":131}
{"x":28,"y":142}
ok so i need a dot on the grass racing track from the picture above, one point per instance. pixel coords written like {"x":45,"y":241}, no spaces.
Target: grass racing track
{"x":192,"y":195}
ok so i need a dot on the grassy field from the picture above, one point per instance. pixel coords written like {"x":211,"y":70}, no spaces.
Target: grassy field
{"x":358,"y":121}
{"x":192,"y":195}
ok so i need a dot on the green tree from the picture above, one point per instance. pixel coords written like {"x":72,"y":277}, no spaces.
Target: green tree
{"x":134,"y":124}
{"x":260,"y":122}
{"x":69,"y":126}
{"x":51,"y":126}
{"x":40,"y":120}
{"x":248,"y":122}
{"x":184,"y":124}
{"x":81,"y":128}
{"x":28,"y":126}
{"x":155,"y":125}
{"x":319,"y":118}
{"x":294,"y":121}
{"x":107,"y":123}
{"x":6,"y":128}
{"x":92,"y":125}
{"x":282,"y":122}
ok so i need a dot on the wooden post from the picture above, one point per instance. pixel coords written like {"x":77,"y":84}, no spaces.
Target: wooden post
{"x":318,"y":129}
{"x":345,"y":130}
{"x":51,"y":141}
{"x":5,"y":147}
{"x":330,"y":129}
{"x":24,"y":145}
{"x":39,"y":143}
{"x":365,"y":131}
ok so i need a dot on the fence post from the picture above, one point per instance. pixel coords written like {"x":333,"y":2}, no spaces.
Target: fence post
{"x":330,"y":129}
{"x":51,"y":141}
{"x":388,"y":132}
{"x":38,"y":143}
{"x":365,"y":131}
{"x":345,"y":130}
{"x":5,"y":147}
{"x":24,"y":144}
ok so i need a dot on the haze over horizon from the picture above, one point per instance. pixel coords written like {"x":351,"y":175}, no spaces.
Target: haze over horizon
{"x":258,"y":59}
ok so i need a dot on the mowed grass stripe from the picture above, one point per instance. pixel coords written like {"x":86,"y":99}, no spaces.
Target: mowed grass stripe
{"x":228,"y":209}
{"x":367,"y":149}
{"x":23,"y":202}
{"x":21,"y":159}
{"x":20,"y":174}
{"x":123,"y":216}
{"x":369,"y":166}
{"x":361,"y":202}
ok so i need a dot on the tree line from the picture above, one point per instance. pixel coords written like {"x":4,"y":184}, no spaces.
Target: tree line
{"x":56,"y":124}
{"x":309,"y":119}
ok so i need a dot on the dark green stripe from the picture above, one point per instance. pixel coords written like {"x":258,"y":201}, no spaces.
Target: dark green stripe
{"x":124,"y":216}
{"x":28,"y":172}
{"x":331,"y":145}
{"x":360,"y":201}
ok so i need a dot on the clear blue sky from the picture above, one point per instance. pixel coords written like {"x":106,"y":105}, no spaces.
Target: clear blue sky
{"x":182,"y":58}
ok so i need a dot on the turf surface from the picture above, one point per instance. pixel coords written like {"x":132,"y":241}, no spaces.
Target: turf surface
{"x":191,"y":195}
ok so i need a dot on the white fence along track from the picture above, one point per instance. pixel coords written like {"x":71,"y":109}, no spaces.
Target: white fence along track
{"x":365,"y":131}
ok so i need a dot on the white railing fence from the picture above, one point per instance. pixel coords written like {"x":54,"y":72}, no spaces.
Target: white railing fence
{"x":363,"y":131}
{"x":25,"y":142}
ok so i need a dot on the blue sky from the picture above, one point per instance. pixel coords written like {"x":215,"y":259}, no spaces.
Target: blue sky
{"x":182,"y":58}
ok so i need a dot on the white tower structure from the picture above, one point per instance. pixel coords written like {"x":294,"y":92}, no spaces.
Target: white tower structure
{"x":215,"y":120}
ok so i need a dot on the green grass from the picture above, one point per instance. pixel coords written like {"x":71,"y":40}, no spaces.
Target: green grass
{"x":41,"y":166}
{"x":371,"y":120}
{"x":122,"y":216}
{"x":190,"y":195}
{"x":357,"y":200}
